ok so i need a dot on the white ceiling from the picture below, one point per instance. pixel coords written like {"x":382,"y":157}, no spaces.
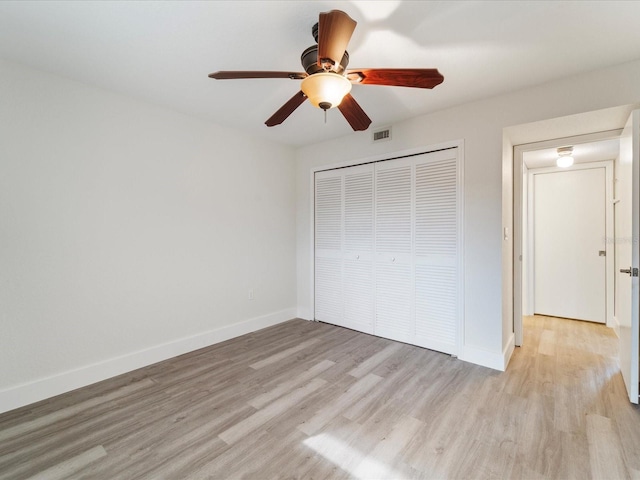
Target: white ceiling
{"x":582,"y":153}
{"x":162,"y":52}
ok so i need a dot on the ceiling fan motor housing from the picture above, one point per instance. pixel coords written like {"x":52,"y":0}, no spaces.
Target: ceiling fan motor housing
{"x":309,"y":60}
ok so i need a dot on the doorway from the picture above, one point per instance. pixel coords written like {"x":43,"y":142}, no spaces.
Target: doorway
{"x":621,"y":123}
{"x":534,"y":265}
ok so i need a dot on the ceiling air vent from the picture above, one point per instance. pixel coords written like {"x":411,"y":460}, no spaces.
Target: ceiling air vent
{"x":382,"y":135}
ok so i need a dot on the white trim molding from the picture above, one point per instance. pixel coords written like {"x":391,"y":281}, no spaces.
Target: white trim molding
{"x":305,"y":313}
{"x":508,"y":350}
{"x":486,"y":358}
{"x":31,"y":392}
{"x":616,"y":326}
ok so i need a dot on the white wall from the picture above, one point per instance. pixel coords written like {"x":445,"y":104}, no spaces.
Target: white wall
{"x":488,"y":188}
{"x":129,"y":233}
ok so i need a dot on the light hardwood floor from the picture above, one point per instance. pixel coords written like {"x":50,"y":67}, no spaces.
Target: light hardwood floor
{"x":309,"y":400}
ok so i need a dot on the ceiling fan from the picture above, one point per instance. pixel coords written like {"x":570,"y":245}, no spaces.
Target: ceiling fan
{"x":326,"y":82}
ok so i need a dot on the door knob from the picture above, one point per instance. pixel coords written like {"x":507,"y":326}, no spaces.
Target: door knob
{"x":632,"y":272}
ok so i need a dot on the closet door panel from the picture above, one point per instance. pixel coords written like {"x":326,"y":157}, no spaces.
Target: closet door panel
{"x":358,"y":210}
{"x":328,"y":301}
{"x":328,"y":247}
{"x":393,"y":246}
{"x":394,"y":297}
{"x":436,"y":308}
{"x":393,"y":208}
{"x":436,"y":207}
{"x":436,"y":251}
{"x":358,"y":248}
{"x":328,"y":214}
{"x":358,"y":295}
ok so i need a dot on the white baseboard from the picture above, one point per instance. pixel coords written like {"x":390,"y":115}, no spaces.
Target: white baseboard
{"x":305,"y":313}
{"x":41,"y":389}
{"x":615,"y":324}
{"x":508,"y":350}
{"x":485,"y":358}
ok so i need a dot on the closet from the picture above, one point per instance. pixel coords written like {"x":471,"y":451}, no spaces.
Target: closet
{"x":388,"y":249}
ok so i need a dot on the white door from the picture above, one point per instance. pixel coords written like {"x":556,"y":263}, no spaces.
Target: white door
{"x":357,"y":258}
{"x":393,"y":236}
{"x":388,"y":249}
{"x":436,"y":253}
{"x":570,"y":244}
{"x":344,"y":247}
{"x":627,"y":253}
{"x":328,"y":247}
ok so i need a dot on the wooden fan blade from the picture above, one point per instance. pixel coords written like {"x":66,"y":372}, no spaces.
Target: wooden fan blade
{"x":334,"y":32}
{"x":354,"y":113}
{"x":397,"y":77}
{"x":286,"y":110}
{"x":248,"y":74}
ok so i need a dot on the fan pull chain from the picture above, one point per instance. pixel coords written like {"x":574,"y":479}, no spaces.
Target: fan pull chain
{"x":325,"y":117}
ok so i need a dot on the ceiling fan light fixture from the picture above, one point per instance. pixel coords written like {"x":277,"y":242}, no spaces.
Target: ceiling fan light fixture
{"x":565,"y":159}
{"x":325,"y":90}
{"x":326,"y":82}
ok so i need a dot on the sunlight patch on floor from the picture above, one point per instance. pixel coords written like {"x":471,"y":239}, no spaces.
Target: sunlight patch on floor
{"x":349,"y":459}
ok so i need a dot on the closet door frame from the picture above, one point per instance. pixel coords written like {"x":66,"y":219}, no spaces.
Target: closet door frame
{"x":459,"y":144}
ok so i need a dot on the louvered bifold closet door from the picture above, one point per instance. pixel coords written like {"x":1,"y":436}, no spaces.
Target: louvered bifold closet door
{"x":436,"y":250}
{"x":394,"y":317}
{"x":388,"y":249}
{"x":328,"y":246}
{"x":358,"y":248}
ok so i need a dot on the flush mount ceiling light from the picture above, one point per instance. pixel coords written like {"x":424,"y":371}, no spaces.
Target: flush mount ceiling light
{"x":564,"y":157}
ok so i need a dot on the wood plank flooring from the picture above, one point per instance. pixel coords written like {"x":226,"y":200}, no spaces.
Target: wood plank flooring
{"x":310,"y":400}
